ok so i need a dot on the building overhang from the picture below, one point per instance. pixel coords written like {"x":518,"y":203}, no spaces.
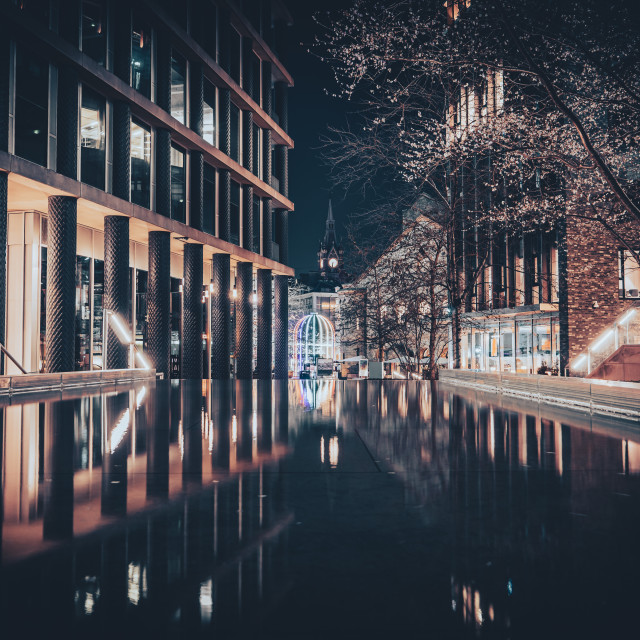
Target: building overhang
{"x":514,"y":312}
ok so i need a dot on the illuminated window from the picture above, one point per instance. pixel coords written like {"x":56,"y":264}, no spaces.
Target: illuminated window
{"x":629,"y":275}
{"x":92,"y":155}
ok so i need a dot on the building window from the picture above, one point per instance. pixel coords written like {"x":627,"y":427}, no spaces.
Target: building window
{"x":629,"y":275}
{"x":32,"y":107}
{"x":209,"y":200}
{"x":178,"y":86}
{"x":235,"y":212}
{"x":209,"y":113}
{"x":140,"y":165}
{"x":178,"y":182}
{"x":235,"y":132}
{"x":141,"y":56}
{"x":92,"y":138}
{"x":94,"y":30}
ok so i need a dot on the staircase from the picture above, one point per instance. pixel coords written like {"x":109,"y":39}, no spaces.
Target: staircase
{"x":623,"y":364}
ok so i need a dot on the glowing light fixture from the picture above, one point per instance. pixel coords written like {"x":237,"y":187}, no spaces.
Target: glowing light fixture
{"x":602,"y":340}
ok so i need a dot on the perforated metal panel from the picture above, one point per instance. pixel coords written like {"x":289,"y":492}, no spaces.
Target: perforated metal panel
{"x":159,"y":301}
{"x":267,"y":228}
{"x":116,"y":285}
{"x":191,"y":354}
{"x":244,"y":320}
{"x":163,"y":172}
{"x":282,"y":234}
{"x":163,"y":70}
{"x":224,"y":211}
{"x":264,"y":328}
{"x":282,"y":99}
{"x":247,"y":217}
{"x":220,"y":316}
{"x":267,"y":165}
{"x":267,"y":71}
{"x":282,"y":168}
{"x":196,"y":211}
{"x":197,"y":96}
{"x":280,"y":327}
{"x":224,"y":120}
{"x":61,"y":284}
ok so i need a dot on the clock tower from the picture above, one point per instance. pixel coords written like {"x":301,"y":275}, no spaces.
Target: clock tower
{"x":330,"y":253}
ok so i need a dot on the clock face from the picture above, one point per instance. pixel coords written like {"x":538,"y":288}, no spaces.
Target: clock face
{"x":333,"y":263}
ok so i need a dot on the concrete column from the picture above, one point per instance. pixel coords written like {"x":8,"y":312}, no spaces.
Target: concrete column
{"x":247,"y":217}
{"x":244,"y":320}
{"x":163,"y":172}
{"x":267,"y":72}
{"x":224,"y":205}
{"x":282,"y":234}
{"x":281,"y":328}
{"x":122,"y":41}
{"x":159,"y":301}
{"x":196,"y":210}
{"x":197,"y":97}
{"x":282,"y":104}
{"x":61,"y":284}
{"x":220,"y":316}
{"x":264,"y":333}
{"x":267,"y":228}
{"x":3,"y":260}
{"x":67,"y":132}
{"x":191,"y":339}
{"x":163,"y":70}
{"x":116,"y":285}
{"x":58,"y":471}
{"x":121,"y":150}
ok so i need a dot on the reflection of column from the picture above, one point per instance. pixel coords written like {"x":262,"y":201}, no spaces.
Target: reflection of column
{"x":114,"y":584}
{"x":264,"y":329}
{"x":264,"y":416}
{"x":244,"y":320}
{"x":67,"y":133}
{"x":159,"y":301}
{"x":158,"y":566}
{"x":61,"y":284}
{"x":158,"y":441}
{"x":281,"y":395}
{"x":191,"y":403}
{"x":116,"y":285}
{"x":58,"y":471}
{"x":114,"y":458}
{"x":191,"y":342}
{"x":244,"y":415}
{"x":221,"y":416}
{"x":281,"y":327}
{"x":220,"y":316}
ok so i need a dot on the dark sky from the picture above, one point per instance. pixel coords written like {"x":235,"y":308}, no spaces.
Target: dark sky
{"x":310,"y":113}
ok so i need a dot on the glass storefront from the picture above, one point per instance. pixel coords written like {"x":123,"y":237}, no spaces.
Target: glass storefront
{"x":520,"y":344}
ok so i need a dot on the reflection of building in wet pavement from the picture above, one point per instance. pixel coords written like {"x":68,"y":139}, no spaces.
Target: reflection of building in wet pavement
{"x":131,"y":504}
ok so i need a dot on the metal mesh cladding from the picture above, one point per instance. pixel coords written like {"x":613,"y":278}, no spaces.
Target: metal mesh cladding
{"x":282,"y":234}
{"x":197,"y":97}
{"x":121,"y":149}
{"x":244,"y":320}
{"x":263,"y":351}
{"x":163,"y":171}
{"x":191,"y":354}
{"x":159,"y":301}
{"x":280,"y":327}
{"x":61,"y":284}
{"x":196,"y":211}
{"x":267,"y":228}
{"x":220,"y":316}
{"x":224,"y":100}
{"x":247,"y":217}
{"x":224,"y":212}
{"x":116,"y":285}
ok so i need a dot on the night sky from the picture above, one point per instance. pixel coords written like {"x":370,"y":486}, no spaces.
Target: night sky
{"x":310,"y":113}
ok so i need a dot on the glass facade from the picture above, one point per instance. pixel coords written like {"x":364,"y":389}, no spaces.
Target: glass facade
{"x":209,"y":200}
{"x":140,"y":164}
{"x":209,"y":114}
{"x":178,"y":185}
{"x":92,"y":138}
{"x":141,"y":56}
{"x":178,"y":87}
{"x":520,"y":344}
{"x":32,"y":107}
{"x":94,"y":30}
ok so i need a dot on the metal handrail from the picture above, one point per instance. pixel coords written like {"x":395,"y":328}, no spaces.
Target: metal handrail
{"x":6,"y":353}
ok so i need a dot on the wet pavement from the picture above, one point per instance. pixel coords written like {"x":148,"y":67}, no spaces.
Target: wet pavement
{"x":316,"y":510}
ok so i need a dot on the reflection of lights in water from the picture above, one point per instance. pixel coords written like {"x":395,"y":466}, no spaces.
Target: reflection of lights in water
{"x":89,"y":604}
{"x":314,"y":393}
{"x":206,"y":601}
{"x":333,"y":452}
{"x":254,"y":426}
{"x":477,"y":609}
{"x":119,"y":430}
{"x":134,"y":583}
{"x":322,"y":449}
{"x":234,"y":429}
{"x":491,"y":613}
{"x":181,"y":439}
{"x":210,"y":436}
{"x":140,"y":397}
{"x":453,"y":605}
{"x":509,"y":587}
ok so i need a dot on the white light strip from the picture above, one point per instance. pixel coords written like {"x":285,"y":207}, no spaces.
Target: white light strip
{"x":602,"y":340}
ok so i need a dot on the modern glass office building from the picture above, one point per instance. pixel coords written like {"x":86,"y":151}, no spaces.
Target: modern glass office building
{"x":144,"y":171}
